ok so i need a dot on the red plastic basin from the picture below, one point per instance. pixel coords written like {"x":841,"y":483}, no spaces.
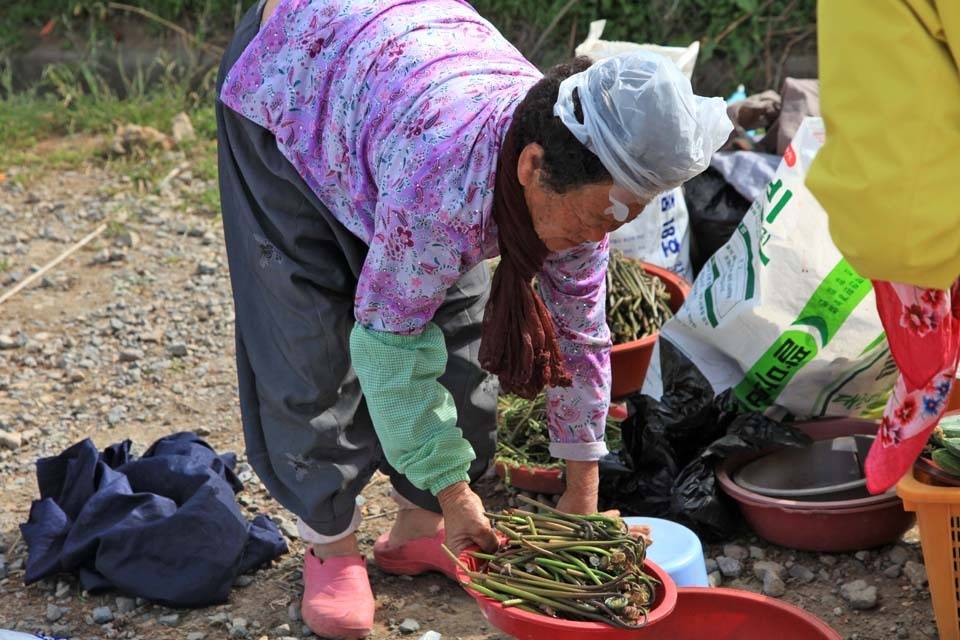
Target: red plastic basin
{"x":548,"y":481}
{"x":629,"y":361}
{"x":531,"y":626}
{"x":842,"y":525}
{"x":730,"y":614}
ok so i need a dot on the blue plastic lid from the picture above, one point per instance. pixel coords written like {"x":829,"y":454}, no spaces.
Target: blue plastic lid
{"x":674,"y":546}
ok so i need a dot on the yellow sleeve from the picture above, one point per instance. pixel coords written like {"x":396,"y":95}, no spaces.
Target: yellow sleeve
{"x":889,"y":173}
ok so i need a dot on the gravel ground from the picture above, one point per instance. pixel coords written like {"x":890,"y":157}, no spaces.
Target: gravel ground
{"x":132,"y":337}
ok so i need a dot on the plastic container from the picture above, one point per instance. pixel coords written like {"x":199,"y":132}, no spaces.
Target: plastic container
{"x":731,"y":614}
{"x":831,"y":526}
{"x":629,"y":361}
{"x":938,"y":514}
{"x":530,"y":626}
{"x":546,"y":480}
{"x":828,"y":470}
{"x":677,"y":550}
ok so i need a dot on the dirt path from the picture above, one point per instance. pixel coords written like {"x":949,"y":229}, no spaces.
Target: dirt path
{"x":133,"y":338}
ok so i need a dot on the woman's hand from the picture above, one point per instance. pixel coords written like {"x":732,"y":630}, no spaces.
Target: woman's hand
{"x":463,"y":519}
{"x":582,"y":494}
{"x":583,"y":488}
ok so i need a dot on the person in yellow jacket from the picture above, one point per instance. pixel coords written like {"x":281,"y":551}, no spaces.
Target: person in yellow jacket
{"x":889,"y":173}
{"x":888,"y":177}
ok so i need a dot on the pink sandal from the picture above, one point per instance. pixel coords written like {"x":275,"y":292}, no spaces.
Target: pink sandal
{"x":420,"y":555}
{"x":337,"y":600}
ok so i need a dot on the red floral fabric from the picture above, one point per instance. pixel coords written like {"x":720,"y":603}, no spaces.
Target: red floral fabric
{"x":923,"y":330}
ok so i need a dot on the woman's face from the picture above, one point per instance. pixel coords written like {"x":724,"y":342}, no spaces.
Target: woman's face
{"x":566,"y":220}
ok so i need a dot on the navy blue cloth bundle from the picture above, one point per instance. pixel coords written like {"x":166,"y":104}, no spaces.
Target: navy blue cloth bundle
{"x":165,"y":527}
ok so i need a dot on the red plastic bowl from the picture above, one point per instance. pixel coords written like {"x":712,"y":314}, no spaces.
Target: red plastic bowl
{"x":730,"y":614}
{"x":548,"y":481}
{"x":629,"y":361}
{"x":842,"y":525}
{"x":531,"y":626}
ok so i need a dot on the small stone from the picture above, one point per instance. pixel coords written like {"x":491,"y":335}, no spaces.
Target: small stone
{"x":802,"y":573}
{"x":433,"y":589}
{"x":862,"y":556}
{"x":773,"y":586}
{"x":289,"y":528}
{"x":735,"y":551}
{"x":115,"y":416}
{"x":898,"y":555}
{"x":102,"y":615}
{"x":281,"y":630}
{"x":838,"y":611}
{"x":893,"y":571}
{"x":62,"y":590}
{"x":293,"y":612}
{"x":169,"y":620}
{"x":177,"y":349}
{"x":10,"y":440}
{"x":8,"y":342}
{"x":860,"y":595}
{"x":206,"y":269}
{"x":127,"y":238}
{"x":409,"y":625}
{"x":196,"y":635}
{"x":763,"y":568}
{"x":238,"y":628}
{"x":715,"y":579}
{"x":729,"y":567}
{"x":902,"y":633}
{"x":54,"y":613}
{"x":126,"y":605}
{"x":116,"y":324}
{"x":711,"y":565}
{"x":916,"y":573}
{"x":218,"y":619}
{"x":182,"y":129}
{"x":828,"y":561}
{"x":756,"y":553}
{"x":243,"y":581}
{"x":131,"y":355}
{"x":431,"y":635}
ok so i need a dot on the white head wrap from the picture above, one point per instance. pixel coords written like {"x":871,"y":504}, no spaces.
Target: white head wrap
{"x":642,"y":119}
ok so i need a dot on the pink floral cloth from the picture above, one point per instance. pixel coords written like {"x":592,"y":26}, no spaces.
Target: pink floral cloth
{"x":923,"y":329}
{"x":393,"y":111}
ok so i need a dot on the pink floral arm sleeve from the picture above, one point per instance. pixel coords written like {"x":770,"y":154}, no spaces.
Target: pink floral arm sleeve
{"x":573,"y":286}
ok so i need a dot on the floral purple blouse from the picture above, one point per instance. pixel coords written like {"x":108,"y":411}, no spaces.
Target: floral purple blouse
{"x":393,"y":111}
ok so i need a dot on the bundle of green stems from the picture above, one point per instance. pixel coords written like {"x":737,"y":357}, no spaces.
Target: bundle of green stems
{"x":638,"y":303}
{"x":575,"y":567}
{"x":522,"y":435}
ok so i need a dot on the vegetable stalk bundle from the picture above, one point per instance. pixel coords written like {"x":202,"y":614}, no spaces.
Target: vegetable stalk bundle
{"x":638,"y":303}
{"x":586,"y":568}
{"x":523,"y":437}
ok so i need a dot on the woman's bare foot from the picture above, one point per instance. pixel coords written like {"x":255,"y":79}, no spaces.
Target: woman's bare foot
{"x":414,"y":523}
{"x":346,"y":547}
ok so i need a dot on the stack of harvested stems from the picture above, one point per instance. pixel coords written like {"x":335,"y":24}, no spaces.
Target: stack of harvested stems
{"x":522,"y":435}
{"x":586,"y":568}
{"x":638,"y":303}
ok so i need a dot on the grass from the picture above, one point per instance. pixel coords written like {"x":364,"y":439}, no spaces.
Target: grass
{"x":69,"y":119}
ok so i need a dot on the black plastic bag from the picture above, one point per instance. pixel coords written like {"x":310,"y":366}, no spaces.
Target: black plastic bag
{"x":715,"y":209}
{"x":671,"y":446}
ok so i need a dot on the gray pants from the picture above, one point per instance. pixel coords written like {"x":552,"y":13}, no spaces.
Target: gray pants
{"x":294,"y":272}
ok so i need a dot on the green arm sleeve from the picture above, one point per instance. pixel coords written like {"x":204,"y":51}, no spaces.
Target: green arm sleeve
{"x":413,"y":414}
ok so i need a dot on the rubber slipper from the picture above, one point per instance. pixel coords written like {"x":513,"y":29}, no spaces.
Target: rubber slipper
{"x":337,"y":599}
{"x":418,"y":556}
